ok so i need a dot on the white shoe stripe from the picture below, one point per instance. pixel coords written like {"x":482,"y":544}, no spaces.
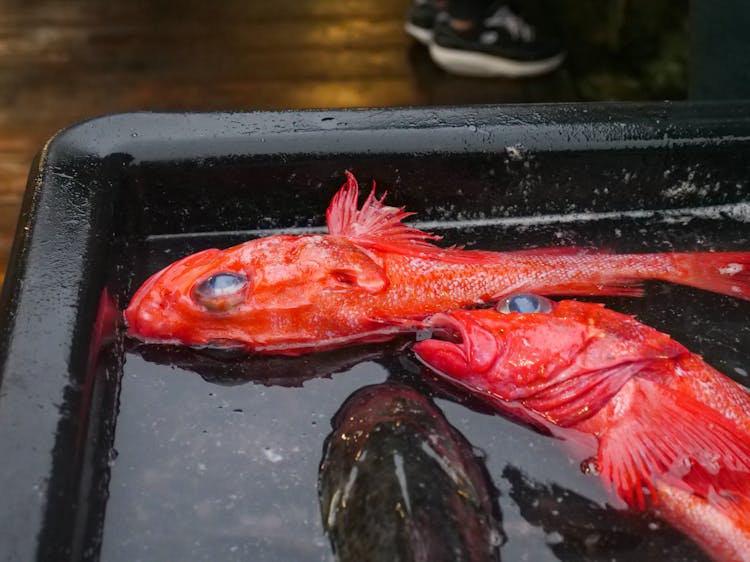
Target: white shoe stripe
{"x":467,"y":63}
{"x":421,"y":34}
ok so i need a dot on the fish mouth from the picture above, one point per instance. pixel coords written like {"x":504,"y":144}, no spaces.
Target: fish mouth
{"x":442,"y":327}
{"x":443,"y":343}
{"x":457,"y":342}
{"x":131,"y":313}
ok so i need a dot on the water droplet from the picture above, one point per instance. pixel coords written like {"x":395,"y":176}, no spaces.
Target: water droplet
{"x":590,"y":466}
{"x":554,"y":538}
{"x":591,"y":540}
{"x":113,"y":454}
{"x":515,"y":153}
{"x":497,"y":538}
{"x":272,"y":455}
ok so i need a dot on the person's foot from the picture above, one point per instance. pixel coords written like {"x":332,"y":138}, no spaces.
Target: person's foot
{"x":505,"y":44}
{"x":421,"y":19}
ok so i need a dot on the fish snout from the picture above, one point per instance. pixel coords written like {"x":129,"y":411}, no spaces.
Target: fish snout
{"x":150,"y":314}
{"x":153,"y":311}
{"x":147,"y":317}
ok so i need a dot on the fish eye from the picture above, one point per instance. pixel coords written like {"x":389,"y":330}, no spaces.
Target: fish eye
{"x":524,"y":303}
{"x":222,"y":291}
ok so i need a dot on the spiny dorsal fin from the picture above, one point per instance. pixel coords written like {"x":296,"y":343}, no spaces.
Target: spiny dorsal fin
{"x":374,"y":223}
{"x":379,"y":226}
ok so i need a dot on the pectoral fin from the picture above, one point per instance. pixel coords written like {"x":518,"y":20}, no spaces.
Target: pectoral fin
{"x":670,"y":437}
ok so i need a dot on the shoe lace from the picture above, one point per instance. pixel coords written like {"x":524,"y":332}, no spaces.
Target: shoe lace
{"x":514,"y":24}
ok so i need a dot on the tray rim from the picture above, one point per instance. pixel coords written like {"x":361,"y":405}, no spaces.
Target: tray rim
{"x":47,"y":382}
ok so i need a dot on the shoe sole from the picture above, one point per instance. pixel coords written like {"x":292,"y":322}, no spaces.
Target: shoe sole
{"x":482,"y":65}
{"x":421,"y":34}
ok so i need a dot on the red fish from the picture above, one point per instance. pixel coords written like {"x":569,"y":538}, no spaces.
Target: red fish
{"x":664,"y":429}
{"x":372,"y":277}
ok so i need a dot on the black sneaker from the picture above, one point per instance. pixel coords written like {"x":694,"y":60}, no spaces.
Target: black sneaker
{"x":504,"y":44}
{"x":421,"y":20}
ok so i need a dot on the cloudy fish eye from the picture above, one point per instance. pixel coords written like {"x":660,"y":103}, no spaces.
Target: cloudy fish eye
{"x":524,"y":303}
{"x":222,"y":291}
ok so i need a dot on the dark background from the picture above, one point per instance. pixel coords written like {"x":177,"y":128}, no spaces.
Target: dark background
{"x":61,"y":62}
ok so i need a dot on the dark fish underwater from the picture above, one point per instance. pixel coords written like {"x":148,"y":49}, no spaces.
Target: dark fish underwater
{"x":398,"y":482}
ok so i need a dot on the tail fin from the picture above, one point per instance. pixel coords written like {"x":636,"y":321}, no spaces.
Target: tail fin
{"x":727,"y":273}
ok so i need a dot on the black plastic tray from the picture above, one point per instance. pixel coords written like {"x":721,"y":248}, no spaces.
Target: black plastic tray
{"x":112,"y":199}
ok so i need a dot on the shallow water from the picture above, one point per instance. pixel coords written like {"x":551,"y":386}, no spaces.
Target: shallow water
{"x":219,"y":459}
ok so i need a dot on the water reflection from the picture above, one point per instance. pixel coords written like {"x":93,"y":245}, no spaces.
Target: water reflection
{"x":231,"y":368}
{"x":405,"y":483}
{"x":398,"y":482}
{"x":579,"y":529}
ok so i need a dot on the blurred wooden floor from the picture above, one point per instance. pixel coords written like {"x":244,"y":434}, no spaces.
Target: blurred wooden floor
{"x":63,"y":61}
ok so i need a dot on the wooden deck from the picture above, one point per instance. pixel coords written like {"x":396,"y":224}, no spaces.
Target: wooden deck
{"x":61,"y":62}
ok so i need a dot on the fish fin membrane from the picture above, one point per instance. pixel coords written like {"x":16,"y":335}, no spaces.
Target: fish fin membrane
{"x":727,"y":273}
{"x":670,"y":437}
{"x":379,"y":226}
{"x":374,"y":222}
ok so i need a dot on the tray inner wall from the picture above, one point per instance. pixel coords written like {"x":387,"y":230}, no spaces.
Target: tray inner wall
{"x":230,"y":466}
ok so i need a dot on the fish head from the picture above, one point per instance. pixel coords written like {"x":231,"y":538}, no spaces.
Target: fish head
{"x":392,"y":446}
{"x":262,"y":295}
{"x":388,"y":403}
{"x":501,"y":352}
{"x":513,"y":352}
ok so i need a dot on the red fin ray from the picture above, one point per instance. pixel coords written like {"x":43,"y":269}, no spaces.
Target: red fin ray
{"x":374,"y":222}
{"x":378,"y":225}
{"x":662,"y":437}
{"x":728,"y":490}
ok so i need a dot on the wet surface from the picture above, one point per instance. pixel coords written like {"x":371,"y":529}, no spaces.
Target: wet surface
{"x":219,"y":457}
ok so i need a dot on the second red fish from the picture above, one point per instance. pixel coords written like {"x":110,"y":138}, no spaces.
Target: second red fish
{"x":664,"y":429}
